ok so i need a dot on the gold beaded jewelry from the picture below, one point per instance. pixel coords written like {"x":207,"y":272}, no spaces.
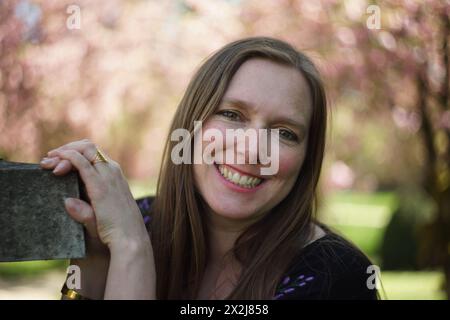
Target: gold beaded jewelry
{"x":71,"y":294}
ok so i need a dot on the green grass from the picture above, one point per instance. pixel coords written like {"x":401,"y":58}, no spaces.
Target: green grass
{"x":26,"y":269}
{"x":366,"y":238}
{"x":360,"y":217}
{"x":413,"y":285}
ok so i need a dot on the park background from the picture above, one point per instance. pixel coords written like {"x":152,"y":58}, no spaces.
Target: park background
{"x":114,"y":72}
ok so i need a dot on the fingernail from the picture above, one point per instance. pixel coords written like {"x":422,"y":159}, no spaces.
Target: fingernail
{"x":46,"y":161}
{"x":71,"y":203}
{"x":58,"y":168}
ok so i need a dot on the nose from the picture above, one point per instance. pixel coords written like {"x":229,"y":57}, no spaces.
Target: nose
{"x":248,"y":144}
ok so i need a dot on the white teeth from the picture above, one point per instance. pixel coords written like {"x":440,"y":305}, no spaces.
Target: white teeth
{"x":238,"y":179}
{"x":243,"y":180}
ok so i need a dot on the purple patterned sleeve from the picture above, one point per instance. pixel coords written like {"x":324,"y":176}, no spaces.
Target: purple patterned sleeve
{"x":144,"y":205}
{"x":290,"y":284}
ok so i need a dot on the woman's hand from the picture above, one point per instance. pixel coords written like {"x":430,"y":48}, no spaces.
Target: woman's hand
{"x":120,"y":262}
{"x":112,"y":214}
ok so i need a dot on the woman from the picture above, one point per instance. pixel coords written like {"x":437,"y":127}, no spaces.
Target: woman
{"x":222,"y":230}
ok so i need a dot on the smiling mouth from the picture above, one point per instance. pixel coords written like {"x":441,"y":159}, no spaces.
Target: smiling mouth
{"x":238,"y":178}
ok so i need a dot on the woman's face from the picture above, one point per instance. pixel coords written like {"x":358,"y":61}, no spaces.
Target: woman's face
{"x":261,"y":95}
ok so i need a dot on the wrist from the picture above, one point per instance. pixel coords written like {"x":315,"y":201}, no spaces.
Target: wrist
{"x":131,"y":246}
{"x":132,"y":270}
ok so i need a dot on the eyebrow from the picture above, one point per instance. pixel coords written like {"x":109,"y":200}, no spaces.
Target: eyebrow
{"x":244,"y":104}
{"x":240,"y":103}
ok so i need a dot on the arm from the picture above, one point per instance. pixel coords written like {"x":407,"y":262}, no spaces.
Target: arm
{"x":135,"y":261}
{"x":131,"y":271}
{"x":94,"y":268}
{"x":125,"y":273}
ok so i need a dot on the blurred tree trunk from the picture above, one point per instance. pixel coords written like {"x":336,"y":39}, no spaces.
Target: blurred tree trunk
{"x":435,"y":248}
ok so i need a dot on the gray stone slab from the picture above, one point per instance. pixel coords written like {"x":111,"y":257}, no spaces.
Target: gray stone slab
{"x":34,"y":224}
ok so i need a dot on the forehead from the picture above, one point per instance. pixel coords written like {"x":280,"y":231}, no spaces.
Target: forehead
{"x":271,"y":87}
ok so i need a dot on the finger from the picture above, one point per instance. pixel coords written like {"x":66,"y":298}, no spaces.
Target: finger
{"x":90,"y":176}
{"x":82,"y":212}
{"x":89,"y":151}
{"x":49,"y":163}
{"x":71,"y":145}
{"x":85,"y":147}
{"x":63,"y":167}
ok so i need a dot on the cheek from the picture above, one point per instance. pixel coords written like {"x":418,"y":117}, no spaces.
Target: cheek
{"x":219,"y":133}
{"x":219,"y":126}
{"x":290,"y":163}
{"x":201,"y":170}
{"x":216,"y":126}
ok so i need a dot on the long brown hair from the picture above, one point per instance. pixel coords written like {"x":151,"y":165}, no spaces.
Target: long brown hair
{"x":265,"y":250}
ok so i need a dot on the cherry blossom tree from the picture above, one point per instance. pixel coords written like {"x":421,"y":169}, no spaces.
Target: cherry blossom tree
{"x":114,"y":71}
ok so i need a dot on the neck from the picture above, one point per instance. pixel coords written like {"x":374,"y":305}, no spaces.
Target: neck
{"x":222,"y":233}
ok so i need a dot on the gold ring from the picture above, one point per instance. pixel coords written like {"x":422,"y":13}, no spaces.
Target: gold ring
{"x":99,"y":157}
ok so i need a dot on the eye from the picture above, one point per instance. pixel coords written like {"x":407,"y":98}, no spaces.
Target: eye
{"x":231,"y":115}
{"x":288,"y":135}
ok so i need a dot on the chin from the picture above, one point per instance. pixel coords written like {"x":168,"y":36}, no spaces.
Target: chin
{"x":232,"y":211}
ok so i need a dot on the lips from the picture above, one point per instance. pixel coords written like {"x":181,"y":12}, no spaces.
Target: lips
{"x":238,"y":178}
